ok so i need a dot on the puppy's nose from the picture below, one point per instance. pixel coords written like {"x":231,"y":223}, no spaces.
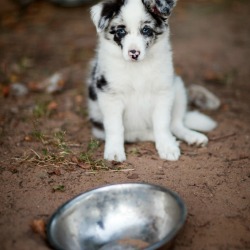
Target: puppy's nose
{"x":134,"y":54}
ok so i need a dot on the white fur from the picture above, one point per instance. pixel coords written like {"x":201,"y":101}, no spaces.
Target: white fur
{"x":145,"y":101}
{"x":198,"y":121}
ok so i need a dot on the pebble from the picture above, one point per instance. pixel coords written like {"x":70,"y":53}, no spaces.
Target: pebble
{"x":18,"y":89}
{"x":133,"y":176}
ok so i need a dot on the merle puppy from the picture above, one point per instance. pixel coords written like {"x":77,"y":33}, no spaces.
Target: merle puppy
{"x":134,"y":94}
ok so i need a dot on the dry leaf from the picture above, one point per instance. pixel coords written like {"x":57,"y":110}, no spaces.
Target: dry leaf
{"x":84,"y":166}
{"x":52,"y":105}
{"x":38,"y":226}
{"x":6,"y":91}
{"x":74,"y":159}
{"x":27,"y":138}
{"x":36,"y":86}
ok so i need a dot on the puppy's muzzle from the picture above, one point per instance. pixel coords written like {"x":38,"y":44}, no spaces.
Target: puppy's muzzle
{"x":134,"y":54}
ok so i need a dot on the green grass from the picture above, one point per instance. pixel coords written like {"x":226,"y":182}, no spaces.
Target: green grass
{"x":53,"y":149}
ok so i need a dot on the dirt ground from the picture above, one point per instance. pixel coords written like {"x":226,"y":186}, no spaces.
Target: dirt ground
{"x":48,"y":156}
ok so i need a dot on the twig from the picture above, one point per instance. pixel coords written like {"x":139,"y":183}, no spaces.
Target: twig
{"x":240,"y":158}
{"x":110,"y":170}
{"x":222,"y":137}
{"x":39,"y":157}
{"x":75,"y":145}
{"x":121,"y":170}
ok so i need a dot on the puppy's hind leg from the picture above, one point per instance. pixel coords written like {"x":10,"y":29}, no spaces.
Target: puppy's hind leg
{"x":179,"y":111}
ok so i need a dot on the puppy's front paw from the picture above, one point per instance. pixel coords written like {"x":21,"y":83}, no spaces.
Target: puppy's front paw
{"x":195,"y":138}
{"x":114,"y":154}
{"x":168,"y":151}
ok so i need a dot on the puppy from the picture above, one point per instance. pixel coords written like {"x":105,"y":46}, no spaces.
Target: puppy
{"x":134,"y":94}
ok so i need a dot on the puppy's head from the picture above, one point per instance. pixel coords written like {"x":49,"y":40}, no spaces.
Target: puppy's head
{"x":130,"y":25}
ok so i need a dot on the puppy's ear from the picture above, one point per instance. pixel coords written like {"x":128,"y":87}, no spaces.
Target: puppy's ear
{"x":165,"y":7}
{"x":161,"y":8}
{"x":104,"y":12}
{"x":96,"y":15}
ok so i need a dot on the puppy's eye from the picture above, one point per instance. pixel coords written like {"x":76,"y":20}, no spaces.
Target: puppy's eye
{"x":121,"y":32}
{"x":147,"y":31}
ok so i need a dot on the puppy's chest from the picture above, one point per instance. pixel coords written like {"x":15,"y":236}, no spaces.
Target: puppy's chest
{"x":136,"y":81}
{"x":136,"y":91}
{"x":138,"y":109}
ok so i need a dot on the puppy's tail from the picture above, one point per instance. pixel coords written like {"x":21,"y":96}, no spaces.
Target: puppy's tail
{"x":197,"y":121}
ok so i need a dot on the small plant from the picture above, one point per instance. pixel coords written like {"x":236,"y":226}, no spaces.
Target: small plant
{"x":56,"y":151}
{"x":44,"y":108}
{"x":62,"y":145}
{"x":40,"y":110}
{"x":89,"y":159}
{"x":38,"y":135}
{"x":135,"y":151}
{"x":60,"y":188}
{"x":93,"y":145}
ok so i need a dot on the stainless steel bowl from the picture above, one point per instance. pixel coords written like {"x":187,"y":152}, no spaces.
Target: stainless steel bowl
{"x":118,"y":217}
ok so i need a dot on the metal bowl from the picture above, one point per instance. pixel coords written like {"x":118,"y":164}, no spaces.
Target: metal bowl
{"x":117,"y":217}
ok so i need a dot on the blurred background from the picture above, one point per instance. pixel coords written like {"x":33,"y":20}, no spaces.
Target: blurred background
{"x":39,"y":37}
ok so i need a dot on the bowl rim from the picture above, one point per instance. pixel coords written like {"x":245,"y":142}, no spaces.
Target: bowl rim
{"x":153,"y":246}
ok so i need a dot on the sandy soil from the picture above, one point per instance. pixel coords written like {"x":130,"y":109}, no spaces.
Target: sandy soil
{"x":44,"y":137}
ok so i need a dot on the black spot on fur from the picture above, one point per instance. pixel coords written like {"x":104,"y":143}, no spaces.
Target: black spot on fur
{"x":94,"y":71}
{"x":100,"y":224}
{"x":110,"y":10}
{"x":112,"y":30}
{"x":101,"y":83}
{"x":92,"y":93}
{"x":118,"y":35}
{"x":147,"y":31}
{"x":118,"y":41}
{"x":159,"y":20}
{"x":97,"y":125}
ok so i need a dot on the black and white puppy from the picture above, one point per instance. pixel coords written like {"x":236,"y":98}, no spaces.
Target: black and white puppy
{"x":134,"y":94}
